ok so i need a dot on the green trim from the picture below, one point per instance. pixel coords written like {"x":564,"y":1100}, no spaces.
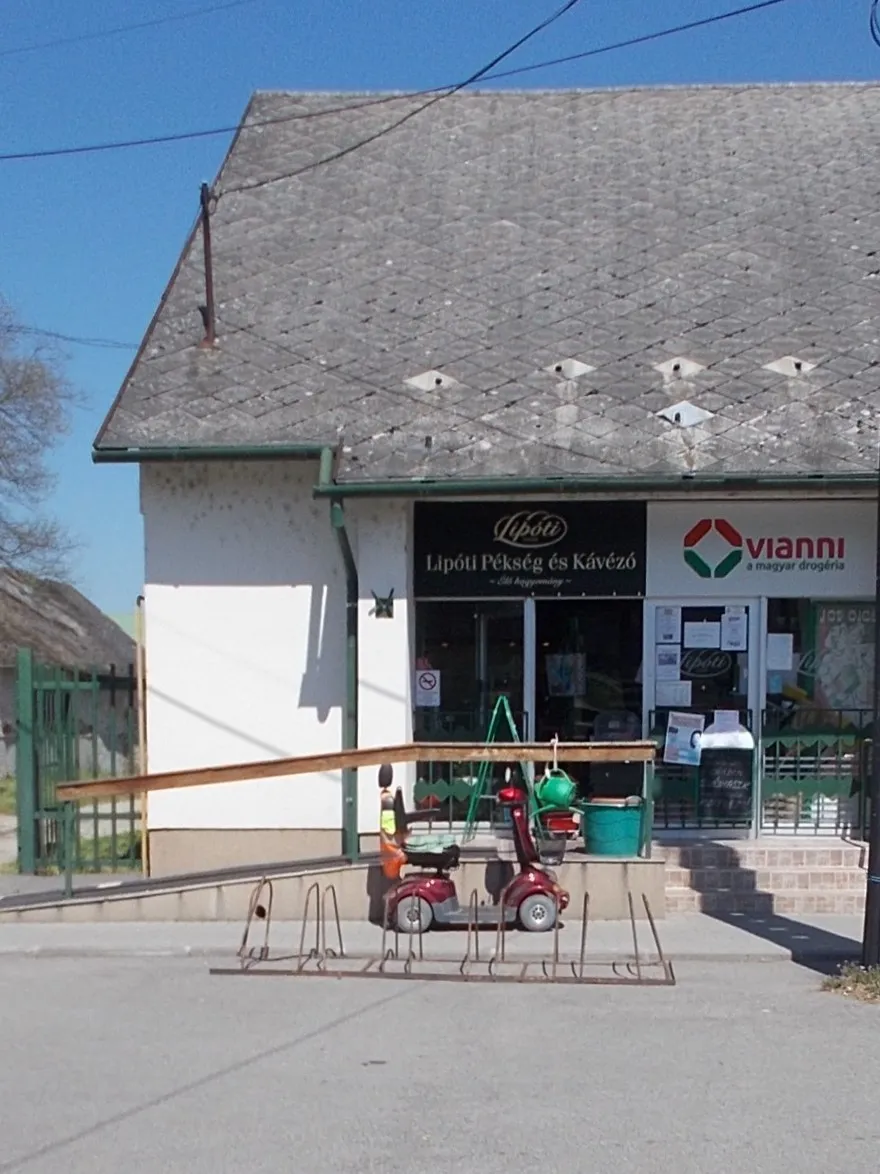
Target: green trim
{"x":560,"y":486}
{"x":207,"y":452}
{"x":350,"y":832}
{"x":26,"y":762}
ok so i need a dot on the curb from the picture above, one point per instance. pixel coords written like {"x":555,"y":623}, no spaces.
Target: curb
{"x":215,"y":952}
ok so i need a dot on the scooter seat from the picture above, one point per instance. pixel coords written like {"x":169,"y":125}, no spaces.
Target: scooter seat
{"x":442,"y":861}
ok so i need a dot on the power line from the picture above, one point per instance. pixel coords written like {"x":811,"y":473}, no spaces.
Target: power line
{"x":77,"y":340}
{"x":645,"y":38}
{"x":186,"y":136}
{"x":125,"y":28}
{"x":392,"y":126}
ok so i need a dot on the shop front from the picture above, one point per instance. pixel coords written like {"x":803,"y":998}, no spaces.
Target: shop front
{"x":541,"y":603}
{"x":765,"y":609}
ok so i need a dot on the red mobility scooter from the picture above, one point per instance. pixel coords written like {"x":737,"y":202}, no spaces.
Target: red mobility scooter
{"x":533,"y":899}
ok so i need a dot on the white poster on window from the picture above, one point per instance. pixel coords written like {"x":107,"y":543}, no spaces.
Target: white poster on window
{"x":668,"y":625}
{"x":683,"y":734}
{"x":671,"y":694}
{"x":734,"y":630}
{"x":427,"y":689}
{"x":703,"y":634}
{"x":668,"y":663}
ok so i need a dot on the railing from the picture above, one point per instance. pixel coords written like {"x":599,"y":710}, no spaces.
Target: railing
{"x":74,"y":726}
{"x":447,"y":788}
{"x":813,"y":765}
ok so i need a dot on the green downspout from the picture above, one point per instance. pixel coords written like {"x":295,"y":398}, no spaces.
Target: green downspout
{"x":350,"y":834}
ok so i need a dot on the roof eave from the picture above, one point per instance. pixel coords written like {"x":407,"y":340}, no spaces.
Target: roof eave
{"x":208,"y":452}
{"x":495,"y":486}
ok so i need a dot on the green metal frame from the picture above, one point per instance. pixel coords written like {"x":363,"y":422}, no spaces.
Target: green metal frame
{"x":68,"y":718}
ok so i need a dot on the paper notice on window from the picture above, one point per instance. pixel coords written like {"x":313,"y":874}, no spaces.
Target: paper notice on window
{"x":668,"y":625}
{"x":780,"y":652}
{"x":734,"y":630}
{"x":668,"y":663}
{"x":704,"y":634}
{"x":725,"y":721}
{"x":683,"y":733}
{"x":669,"y":694}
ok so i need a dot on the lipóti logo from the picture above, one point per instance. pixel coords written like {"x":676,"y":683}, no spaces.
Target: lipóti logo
{"x":695,"y":542}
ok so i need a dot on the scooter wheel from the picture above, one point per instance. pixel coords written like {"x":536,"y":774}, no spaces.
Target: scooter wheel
{"x":413,"y":916}
{"x":537,"y":913}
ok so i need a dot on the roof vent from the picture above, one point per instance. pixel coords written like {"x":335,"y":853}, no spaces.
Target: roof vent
{"x":430,"y":381}
{"x":569,"y":369}
{"x":685,"y":415}
{"x":790,"y":366}
{"x":678,"y":368}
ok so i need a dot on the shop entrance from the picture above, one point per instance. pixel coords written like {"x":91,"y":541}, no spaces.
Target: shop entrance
{"x":703,"y":659}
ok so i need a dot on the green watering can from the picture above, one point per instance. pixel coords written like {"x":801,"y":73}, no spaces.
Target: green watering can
{"x":555,"y":791}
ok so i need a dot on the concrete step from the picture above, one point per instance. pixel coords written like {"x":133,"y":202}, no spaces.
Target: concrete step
{"x":792,"y":902}
{"x":772,"y":880}
{"x":752,"y":856}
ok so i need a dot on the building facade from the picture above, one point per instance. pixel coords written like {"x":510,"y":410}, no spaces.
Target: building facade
{"x":565,"y":397}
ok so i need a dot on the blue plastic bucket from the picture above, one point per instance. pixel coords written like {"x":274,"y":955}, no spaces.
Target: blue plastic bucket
{"x":612,"y":828}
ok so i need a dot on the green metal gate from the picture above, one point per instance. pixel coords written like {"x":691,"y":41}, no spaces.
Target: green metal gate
{"x":74,"y":725}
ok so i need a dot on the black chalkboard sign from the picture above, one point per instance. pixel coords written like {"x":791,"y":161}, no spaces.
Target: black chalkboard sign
{"x":726,"y":784}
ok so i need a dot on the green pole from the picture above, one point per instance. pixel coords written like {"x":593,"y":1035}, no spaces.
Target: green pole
{"x":25,"y":762}
{"x":68,"y":816}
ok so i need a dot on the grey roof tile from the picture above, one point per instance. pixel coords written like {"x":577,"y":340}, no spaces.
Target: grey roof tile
{"x":499,"y":233}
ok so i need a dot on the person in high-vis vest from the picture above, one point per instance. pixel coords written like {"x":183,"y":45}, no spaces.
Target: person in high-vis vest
{"x":391,"y":838}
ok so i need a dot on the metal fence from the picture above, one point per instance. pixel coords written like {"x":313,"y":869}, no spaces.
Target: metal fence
{"x":812,"y":777}
{"x":74,"y":725}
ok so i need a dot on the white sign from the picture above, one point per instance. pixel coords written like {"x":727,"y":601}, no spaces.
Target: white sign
{"x":780,"y":652}
{"x":427,"y":689}
{"x":672,"y":693}
{"x":668,"y":625}
{"x":683,"y":733}
{"x":725,"y":721}
{"x":668,"y":663}
{"x":702,"y":634}
{"x":781,"y":549}
{"x":734,"y":630}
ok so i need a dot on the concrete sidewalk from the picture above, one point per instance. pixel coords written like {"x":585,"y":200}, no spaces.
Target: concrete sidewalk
{"x":685,"y":937}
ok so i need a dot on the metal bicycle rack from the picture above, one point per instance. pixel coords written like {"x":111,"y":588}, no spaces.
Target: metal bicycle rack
{"x":315,"y":958}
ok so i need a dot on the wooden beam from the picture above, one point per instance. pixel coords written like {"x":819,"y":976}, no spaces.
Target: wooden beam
{"x":366,"y":756}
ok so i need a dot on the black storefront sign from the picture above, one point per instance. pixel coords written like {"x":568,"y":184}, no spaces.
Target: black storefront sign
{"x":511,"y":548}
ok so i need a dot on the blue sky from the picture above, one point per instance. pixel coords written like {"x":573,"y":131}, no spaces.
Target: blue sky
{"x":89,"y":241}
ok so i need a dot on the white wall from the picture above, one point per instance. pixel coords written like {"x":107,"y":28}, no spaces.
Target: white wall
{"x":382,"y":551}
{"x":245,"y":638}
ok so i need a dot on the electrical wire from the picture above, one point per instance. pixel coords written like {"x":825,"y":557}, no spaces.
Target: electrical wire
{"x":399,"y":122}
{"x":106,"y":343}
{"x":186,"y":136}
{"x":126,"y":28}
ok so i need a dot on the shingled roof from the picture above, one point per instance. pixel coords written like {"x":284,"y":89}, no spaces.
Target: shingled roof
{"x":521,"y":283}
{"x":58,"y":624}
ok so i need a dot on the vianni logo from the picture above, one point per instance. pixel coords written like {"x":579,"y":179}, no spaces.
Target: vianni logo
{"x":713,"y":548}
{"x":696,"y":536}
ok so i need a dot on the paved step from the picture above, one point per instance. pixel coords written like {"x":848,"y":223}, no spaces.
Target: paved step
{"x":773,"y":880}
{"x":792,"y":902}
{"x":743,"y":855}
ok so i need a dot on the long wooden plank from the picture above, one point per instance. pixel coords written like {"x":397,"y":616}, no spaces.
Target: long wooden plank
{"x":366,"y":756}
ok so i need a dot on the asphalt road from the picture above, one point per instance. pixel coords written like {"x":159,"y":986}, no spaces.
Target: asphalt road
{"x":145,"y":1065}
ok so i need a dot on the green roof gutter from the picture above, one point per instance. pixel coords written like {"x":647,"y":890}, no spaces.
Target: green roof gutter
{"x":350,"y":828}
{"x":503,"y":486}
{"x":208,"y":452}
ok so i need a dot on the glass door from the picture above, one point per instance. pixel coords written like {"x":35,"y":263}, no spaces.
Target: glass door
{"x":702,"y":658}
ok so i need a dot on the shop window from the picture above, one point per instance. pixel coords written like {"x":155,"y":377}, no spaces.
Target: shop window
{"x":819,"y":663}
{"x":475,"y":649}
